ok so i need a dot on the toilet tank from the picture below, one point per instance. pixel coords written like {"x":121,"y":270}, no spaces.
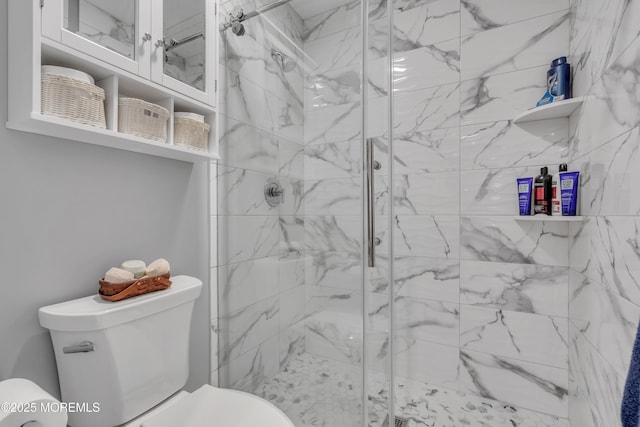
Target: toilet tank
{"x":140,"y":351}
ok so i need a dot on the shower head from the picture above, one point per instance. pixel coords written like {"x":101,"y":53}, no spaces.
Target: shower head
{"x":285,"y":63}
{"x":238,"y":28}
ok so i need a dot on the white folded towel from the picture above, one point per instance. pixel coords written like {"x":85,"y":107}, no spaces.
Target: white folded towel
{"x":118,"y":275}
{"x":158,"y":268}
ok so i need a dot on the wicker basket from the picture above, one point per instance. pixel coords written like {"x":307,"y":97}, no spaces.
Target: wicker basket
{"x":191,"y":133}
{"x":72,"y":99}
{"x":145,"y":285}
{"x":142,"y":118}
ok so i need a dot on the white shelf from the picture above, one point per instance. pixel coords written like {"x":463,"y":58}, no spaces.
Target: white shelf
{"x":547,"y":218}
{"x":65,"y":129}
{"x":555,"y":110}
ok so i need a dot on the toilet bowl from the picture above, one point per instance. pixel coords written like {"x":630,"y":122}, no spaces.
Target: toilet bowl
{"x":131,"y":358}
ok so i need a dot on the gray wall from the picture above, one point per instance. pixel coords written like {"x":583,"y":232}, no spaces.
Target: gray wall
{"x":68,"y":212}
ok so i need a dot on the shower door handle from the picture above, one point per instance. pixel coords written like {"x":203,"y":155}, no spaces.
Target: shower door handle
{"x":372,"y":241}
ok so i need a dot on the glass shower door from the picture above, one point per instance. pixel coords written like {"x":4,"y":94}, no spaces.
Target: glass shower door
{"x":295,"y":320}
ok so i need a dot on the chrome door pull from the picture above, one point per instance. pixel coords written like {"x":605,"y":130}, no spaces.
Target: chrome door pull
{"x":83,"y":347}
{"x":372,"y":240}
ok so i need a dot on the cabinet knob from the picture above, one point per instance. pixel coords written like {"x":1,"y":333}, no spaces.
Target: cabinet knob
{"x":160,"y":43}
{"x":146,"y":37}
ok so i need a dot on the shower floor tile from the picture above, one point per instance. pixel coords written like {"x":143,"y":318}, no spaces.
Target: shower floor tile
{"x":318,"y":392}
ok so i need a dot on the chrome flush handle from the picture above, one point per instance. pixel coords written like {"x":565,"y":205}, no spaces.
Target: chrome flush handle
{"x":83,"y":347}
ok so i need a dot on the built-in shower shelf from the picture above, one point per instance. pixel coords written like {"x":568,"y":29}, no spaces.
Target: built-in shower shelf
{"x":546,"y":218}
{"x":556,"y":110}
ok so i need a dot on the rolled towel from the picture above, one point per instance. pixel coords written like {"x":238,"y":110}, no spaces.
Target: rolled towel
{"x":158,"y":268}
{"x":135,"y":266}
{"x":118,"y":275}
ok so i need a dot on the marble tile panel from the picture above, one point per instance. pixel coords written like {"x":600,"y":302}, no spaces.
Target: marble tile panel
{"x":333,"y":124}
{"x":290,"y":159}
{"x":248,"y":282}
{"x":503,"y":144}
{"x":441,"y":370}
{"x":523,"y":336}
{"x":595,"y":387}
{"x":499,"y":239}
{"x":249,"y":103}
{"x":244,"y":146}
{"x":426,"y":109}
{"x":420,"y":194}
{"x":483,"y":15}
{"x":528,"y":385}
{"x":333,"y":160}
{"x":337,"y":50}
{"x":241,"y":192}
{"x":425,"y":236}
{"x":249,"y":370}
{"x":420,"y":319}
{"x":334,"y":87}
{"x":245,"y":329}
{"x":291,"y":271}
{"x":423,"y":151}
{"x":605,"y":249}
{"x":332,"y":21}
{"x":518,"y":46}
{"x":333,"y":197}
{"x":525,"y":288}
{"x":607,"y":321}
{"x":243,"y":238}
{"x":501,"y":97}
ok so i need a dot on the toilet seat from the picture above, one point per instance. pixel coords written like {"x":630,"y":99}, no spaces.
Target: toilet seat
{"x":210,"y":406}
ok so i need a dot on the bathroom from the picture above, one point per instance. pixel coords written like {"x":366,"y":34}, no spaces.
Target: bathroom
{"x":359,"y":244}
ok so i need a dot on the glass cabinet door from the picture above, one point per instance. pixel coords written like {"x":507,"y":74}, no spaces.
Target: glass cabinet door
{"x":185,"y":63}
{"x":110,"y":24}
{"x":115,"y":31}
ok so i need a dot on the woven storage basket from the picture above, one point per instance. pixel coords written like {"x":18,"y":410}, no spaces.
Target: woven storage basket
{"x":72,"y":99}
{"x":142,"y":118}
{"x":191,"y":133}
{"x":145,"y":285}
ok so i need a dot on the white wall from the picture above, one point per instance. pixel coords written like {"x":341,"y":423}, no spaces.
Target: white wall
{"x":68,"y":212}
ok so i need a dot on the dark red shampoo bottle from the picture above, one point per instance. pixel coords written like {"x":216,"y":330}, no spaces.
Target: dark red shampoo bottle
{"x":542,"y":193}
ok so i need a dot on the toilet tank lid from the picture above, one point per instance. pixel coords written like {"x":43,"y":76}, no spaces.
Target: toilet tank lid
{"x":93,"y":313}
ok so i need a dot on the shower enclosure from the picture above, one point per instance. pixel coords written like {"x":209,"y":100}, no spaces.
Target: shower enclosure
{"x":361,"y":281}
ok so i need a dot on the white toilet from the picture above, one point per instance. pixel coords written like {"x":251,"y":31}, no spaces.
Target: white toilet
{"x":132,"y":358}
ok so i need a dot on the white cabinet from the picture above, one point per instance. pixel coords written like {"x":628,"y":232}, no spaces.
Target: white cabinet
{"x":161,"y":51}
{"x":167,"y":41}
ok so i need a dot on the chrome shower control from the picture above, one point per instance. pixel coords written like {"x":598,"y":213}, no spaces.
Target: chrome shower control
{"x":273,"y":192}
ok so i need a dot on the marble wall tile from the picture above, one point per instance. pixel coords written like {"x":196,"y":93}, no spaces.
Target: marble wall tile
{"x":427,"y":278}
{"x":333,"y":87}
{"x":332,"y":21}
{"x":258,"y":150}
{"x":247,"y":237}
{"x":522,"y":336}
{"x":525,"y":288}
{"x":420,"y":194}
{"x":501,"y":97}
{"x":291,"y":271}
{"x":528,"y":385}
{"x":291,"y":235}
{"x":337,"y":50}
{"x":419,"y":319}
{"x":241,"y":192}
{"x":333,"y":160}
{"x":247,"y":328}
{"x":425,"y":24}
{"x":249,"y":282}
{"x":595,"y":387}
{"x":483,"y":15}
{"x":425,"y":236}
{"x":333,"y":233}
{"x":499,"y":239}
{"x":249,"y":103}
{"x":249,"y":370}
{"x":293,"y":203}
{"x":333,"y":197}
{"x":607,"y":321}
{"x":290,"y":159}
{"x":334,"y":269}
{"x":441,"y":370}
{"x":607,"y":253}
{"x":292,"y":344}
{"x":419,"y":152}
{"x":503,"y":144}
{"x":517,"y":46}
{"x":421,"y":68}
{"x":426,"y":109}
{"x":292,"y":307}
{"x":333,"y":124}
